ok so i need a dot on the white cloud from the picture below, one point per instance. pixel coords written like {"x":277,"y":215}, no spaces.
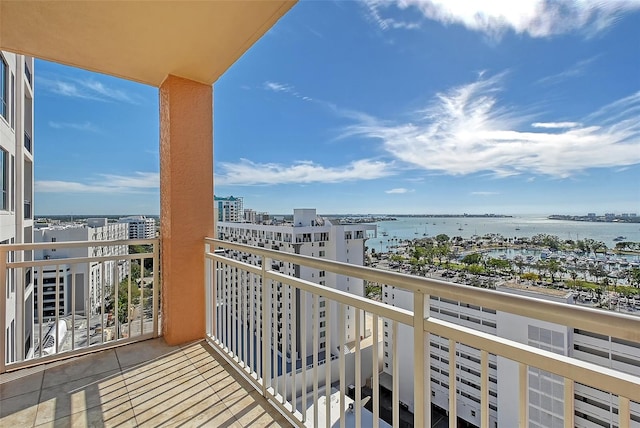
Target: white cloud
{"x":399,"y":190}
{"x":89,"y":89}
{"x":465,"y":131}
{"x":574,"y":71}
{"x":555,"y":125}
{"x":86,"y":126}
{"x":537,"y":18}
{"x":483,"y":193}
{"x":247,"y":172}
{"x":277,"y":87}
{"x":286,"y":88}
{"x":374,"y":12}
{"x":140,"y":182}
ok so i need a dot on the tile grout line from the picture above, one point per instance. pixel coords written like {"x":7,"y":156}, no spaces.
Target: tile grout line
{"x":135,"y":419}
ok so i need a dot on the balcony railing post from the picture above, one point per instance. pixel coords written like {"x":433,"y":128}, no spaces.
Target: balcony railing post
{"x":156,"y":288}
{"x":524,"y":396}
{"x":265,"y":325}
{"x":3,"y":308}
{"x":569,"y":401}
{"x":210,"y":305}
{"x":418,"y":360}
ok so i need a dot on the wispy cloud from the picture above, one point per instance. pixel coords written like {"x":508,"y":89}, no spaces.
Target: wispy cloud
{"x":247,"y":172}
{"x":139,"y":182}
{"x":398,"y":191}
{"x":576,"y":70}
{"x":375,"y":10}
{"x":465,"y":131}
{"x":89,"y":89}
{"x":286,"y":88}
{"x":536,"y":18}
{"x":555,"y":125}
{"x":483,"y":193}
{"x":86,"y":126}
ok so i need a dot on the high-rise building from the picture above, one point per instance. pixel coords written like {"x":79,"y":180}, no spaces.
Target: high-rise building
{"x":16,"y":191}
{"x":93,"y":280}
{"x":312,"y":236}
{"x":229,"y":208}
{"x":545,"y":390}
{"x":140,"y":227}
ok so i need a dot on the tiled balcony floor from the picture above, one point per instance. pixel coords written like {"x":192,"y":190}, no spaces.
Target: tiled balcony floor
{"x":146,"y":384}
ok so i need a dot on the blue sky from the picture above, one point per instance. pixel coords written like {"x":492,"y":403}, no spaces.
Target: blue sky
{"x":379,"y":107}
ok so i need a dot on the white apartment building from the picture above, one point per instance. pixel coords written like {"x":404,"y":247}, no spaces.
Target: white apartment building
{"x":249,"y":215}
{"x":93,"y":280}
{"x":312,"y":236}
{"x":16,"y":192}
{"x":140,"y":227}
{"x":593,"y":408}
{"x":228,"y":209}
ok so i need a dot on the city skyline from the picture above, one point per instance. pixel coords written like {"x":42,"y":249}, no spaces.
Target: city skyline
{"x":369,"y":107}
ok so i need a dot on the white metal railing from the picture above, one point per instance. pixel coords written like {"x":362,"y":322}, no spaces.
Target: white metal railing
{"x":245,"y":302}
{"x":76,"y":297}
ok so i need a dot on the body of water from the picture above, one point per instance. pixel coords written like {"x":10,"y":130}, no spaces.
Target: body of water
{"x":521,"y":226}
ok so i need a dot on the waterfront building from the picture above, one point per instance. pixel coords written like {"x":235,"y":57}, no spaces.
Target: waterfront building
{"x":91,"y":280}
{"x":249,"y":215}
{"x":140,"y":227}
{"x":593,"y":408}
{"x":16,"y":193}
{"x":229,"y":208}
{"x":308,"y":235}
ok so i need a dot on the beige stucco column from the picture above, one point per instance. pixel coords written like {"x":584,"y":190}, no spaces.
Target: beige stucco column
{"x":186,"y":204}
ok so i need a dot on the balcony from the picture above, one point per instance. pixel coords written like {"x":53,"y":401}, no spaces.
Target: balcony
{"x":246,"y":372}
{"x":225,"y":330}
{"x":144,"y":384}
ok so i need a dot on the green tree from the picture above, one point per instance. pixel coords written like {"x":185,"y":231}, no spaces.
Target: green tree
{"x":475,"y":269}
{"x":473,"y":258}
{"x":442,"y":238}
{"x":634,"y":277}
{"x":553,"y":267}
{"x":597,"y":271}
{"x":498,"y":264}
{"x":574,"y":276}
{"x":125,"y":302}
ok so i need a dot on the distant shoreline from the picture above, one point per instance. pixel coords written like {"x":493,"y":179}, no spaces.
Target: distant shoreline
{"x":595,"y":219}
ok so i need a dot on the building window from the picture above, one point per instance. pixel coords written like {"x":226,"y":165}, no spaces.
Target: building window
{"x":4,"y":179}
{"x":321,"y":254}
{"x":13,"y":101}
{"x":3,"y":87}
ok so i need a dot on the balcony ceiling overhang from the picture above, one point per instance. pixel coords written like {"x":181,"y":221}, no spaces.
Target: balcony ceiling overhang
{"x":143,"y":41}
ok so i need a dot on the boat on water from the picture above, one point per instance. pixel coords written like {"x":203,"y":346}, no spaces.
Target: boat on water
{"x":619,"y":238}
